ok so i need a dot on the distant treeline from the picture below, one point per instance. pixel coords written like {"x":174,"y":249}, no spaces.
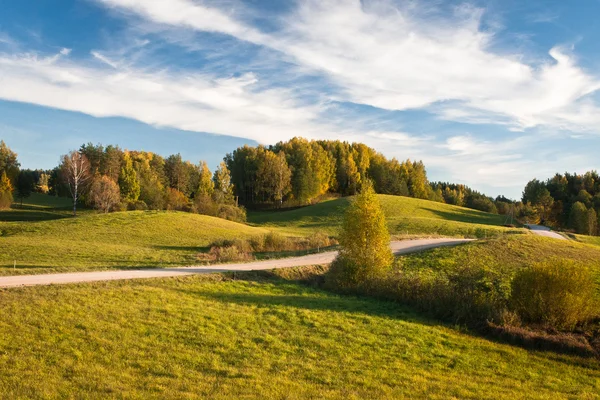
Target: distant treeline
{"x":293,"y":173}
{"x":567,"y":201}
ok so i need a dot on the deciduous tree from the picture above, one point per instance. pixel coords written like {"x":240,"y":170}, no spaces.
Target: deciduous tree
{"x":75,"y":171}
{"x":105,"y":194}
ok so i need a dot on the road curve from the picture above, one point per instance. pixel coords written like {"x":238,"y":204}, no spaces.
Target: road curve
{"x":541,"y":230}
{"x":398,"y":247}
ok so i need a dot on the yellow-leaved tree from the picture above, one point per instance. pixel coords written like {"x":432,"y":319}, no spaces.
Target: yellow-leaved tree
{"x":6,"y":197}
{"x":365,"y":254}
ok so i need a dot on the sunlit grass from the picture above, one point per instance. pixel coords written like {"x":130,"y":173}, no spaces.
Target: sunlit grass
{"x":200,"y":337}
{"x":405,"y":216}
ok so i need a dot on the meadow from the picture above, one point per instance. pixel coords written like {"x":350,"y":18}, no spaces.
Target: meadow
{"x":42,"y":236}
{"x":258,"y":336}
{"x":406,"y":216}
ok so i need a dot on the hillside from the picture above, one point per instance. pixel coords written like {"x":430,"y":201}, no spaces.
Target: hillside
{"x":506,"y":255}
{"x":257,"y":337}
{"x":116,"y":240}
{"x":405,"y":215}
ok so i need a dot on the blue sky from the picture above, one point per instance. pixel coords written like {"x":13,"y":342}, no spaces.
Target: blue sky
{"x":486,"y":93}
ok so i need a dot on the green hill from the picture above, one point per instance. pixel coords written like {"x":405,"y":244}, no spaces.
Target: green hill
{"x":116,"y":240}
{"x":405,"y":216}
{"x":257,"y":338}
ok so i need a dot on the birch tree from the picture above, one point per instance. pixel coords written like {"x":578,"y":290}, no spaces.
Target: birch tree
{"x":75,"y":170}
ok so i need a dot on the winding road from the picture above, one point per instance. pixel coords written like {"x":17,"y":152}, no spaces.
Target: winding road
{"x":541,"y":230}
{"x":398,"y":247}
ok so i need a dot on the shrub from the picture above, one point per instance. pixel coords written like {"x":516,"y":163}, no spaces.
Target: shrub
{"x":137,"y":205}
{"x":177,"y":201}
{"x":232,"y":213}
{"x":229,"y":254}
{"x":557,"y":294}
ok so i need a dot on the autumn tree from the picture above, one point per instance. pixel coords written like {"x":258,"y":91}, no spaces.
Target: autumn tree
{"x":6,"y":189}
{"x":75,"y":171}
{"x":223,"y":187}
{"x":365,"y":253}
{"x":129,"y":184}
{"x":104,"y":194}
{"x":273,"y":177}
{"x":206,"y":186}
{"x":43,"y":183}
{"x":8,"y":162}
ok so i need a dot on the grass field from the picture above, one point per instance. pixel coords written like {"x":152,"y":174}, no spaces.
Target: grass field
{"x":116,"y":240}
{"x":507,"y":254}
{"x":201,"y":337}
{"x":42,"y":236}
{"x":405,"y":216}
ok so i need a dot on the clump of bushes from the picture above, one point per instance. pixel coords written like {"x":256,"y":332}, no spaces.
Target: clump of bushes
{"x":272,"y":242}
{"x":558,"y":294}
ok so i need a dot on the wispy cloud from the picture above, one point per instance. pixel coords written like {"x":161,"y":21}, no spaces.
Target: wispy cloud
{"x":405,"y":57}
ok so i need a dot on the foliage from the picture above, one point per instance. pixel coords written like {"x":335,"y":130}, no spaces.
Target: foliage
{"x":104,"y":194}
{"x":365,"y":254}
{"x":128,"y":181}
{"x":564,"y":200}
{"x":25,"y":185}
{"x":223,"y":188}
{"x":206,"y":186}
{"x":559,"y":294}
{"x":257,"y":336}
{"x":177,"y":201}
{"x":6,"y":197}
{"x":8,"y":163}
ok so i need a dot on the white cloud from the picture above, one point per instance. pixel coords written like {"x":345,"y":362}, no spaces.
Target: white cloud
{"x":193,"y":101}
{"x":404,"y":57}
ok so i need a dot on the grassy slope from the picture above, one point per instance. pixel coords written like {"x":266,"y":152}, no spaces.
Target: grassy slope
{"x":190,"y":337}
{"x":405,"y":216}
{"x":117,"y":240}
{"x":506,"y":254}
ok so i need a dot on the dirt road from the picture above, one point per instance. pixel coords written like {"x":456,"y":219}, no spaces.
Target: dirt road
{"x":398,"y":247}
{"x":541,"y":230}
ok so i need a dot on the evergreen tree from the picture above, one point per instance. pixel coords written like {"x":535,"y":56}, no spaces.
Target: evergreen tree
{"x":25,"y":185}
{"x":579,"y":218}
{"x":592,"y":222}
{"x":129,"y":184}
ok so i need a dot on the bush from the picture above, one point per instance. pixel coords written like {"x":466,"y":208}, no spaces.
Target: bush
{"x":177,"y":201}
{"x":557,"y":294}
{"x":137,"y":205}
{"x":232,"y":213}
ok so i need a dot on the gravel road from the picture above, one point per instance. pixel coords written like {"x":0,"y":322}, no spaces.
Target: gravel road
{"x":398,"y":247}
{"x":544,"y":231}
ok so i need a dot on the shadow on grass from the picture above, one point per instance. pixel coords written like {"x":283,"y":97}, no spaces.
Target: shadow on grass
{"x":30,"y":215}
{"x":558,"y":346}
{"x":197,"y":249}
{"x":469,"y":216}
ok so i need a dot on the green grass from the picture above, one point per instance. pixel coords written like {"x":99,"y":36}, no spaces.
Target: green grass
{"x":505,"y":255}
{"x":201,"y":337}
{"x":405,"y":216}
{"x":42,"y":236}
{"x":116,"y":240}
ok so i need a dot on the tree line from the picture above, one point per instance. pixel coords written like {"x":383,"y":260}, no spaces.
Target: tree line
{"x":292,"y":173}
{"x":566,"y":201}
